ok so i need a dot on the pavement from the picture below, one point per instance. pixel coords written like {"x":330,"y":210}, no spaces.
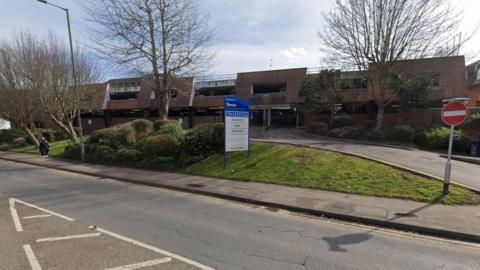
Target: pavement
{"x":216,"y":233}
{"x":425,"y":162}
{"x":460,"y":222}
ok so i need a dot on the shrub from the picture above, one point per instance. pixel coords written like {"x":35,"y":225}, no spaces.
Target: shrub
{"x":402,"y":134}
{"x":438,"y":138}
{"x":174,"y":129}
{"x":72,"y":151}
{"x":157,"y":124}
{"x":420,"y":139}
{"x":37,"y":135}
{"x":342,"y":120}
{"x":142,"y":127}
{"x":90,"y":148}
{"x":473,"y":123}
{"x":126,"y":136}
{"x":8,"y":135}
{"x":108,"y":137}
{"x":318,"y":128}
{"x":203,"y":140}
{"x":5,"y":147}
{"x":60,"y":135}
{"x":20,"y":141}
{"x":129,"y":156}
{"x":376,"y":135}
{"x":104,"y":153}
{"x":346,"y":133}
{"x":462,"y":142}
{"x":49,"y":134}
{"x":370,"y":124}
{"x":160,"y":145}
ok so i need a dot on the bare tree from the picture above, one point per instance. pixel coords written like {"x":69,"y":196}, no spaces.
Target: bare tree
{"x":375,"y":34}
{"x":44,"y":69}
{"x":16,"y":103}
{"x":161,"y":38}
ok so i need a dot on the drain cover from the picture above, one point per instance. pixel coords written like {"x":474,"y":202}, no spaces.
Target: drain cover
{"x":196,"y":185}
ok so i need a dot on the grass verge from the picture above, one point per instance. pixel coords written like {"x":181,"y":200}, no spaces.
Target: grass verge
{"x":319,"y":169}
{"x":56,"y":148}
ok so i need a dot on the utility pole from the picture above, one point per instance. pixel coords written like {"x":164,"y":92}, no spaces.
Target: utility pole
{"x":74,"y":76}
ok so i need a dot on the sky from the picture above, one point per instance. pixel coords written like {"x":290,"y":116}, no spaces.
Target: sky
{"x":252,"y":34}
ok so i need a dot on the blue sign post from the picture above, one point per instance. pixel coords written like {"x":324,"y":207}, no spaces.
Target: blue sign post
{"x":237,"y":126}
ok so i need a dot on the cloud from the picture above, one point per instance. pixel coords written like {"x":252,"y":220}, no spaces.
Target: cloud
{"x":293,"y":53}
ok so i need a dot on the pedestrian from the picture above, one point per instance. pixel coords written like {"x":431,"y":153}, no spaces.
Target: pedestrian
{"x":44,"y":147}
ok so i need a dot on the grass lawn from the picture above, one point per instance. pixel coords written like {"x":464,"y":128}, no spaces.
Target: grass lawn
{"x":311,"y":168}
{"x":56,"y":148}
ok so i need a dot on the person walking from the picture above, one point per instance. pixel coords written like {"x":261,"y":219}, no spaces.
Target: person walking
{"x":44,"y":147}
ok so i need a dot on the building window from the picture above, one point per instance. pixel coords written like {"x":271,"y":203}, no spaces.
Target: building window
{"x":124,"y":91}
{"x":436,"y":84}
{"x":356,"y":83}
{"x":125,"y":87}
{"x":213,"y":92}
{"x":123,"y":96}
{"x":262,"y":89}
{"x":153,"y":95}
{"x":173,"y":93}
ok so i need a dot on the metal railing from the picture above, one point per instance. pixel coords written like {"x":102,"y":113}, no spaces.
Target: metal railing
{"x":222,"y":77}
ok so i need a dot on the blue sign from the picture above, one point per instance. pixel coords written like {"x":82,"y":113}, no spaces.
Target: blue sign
{"x":237,"y":115}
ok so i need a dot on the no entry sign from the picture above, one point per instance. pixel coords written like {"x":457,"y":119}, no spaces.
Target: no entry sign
{"x":454,"y":113}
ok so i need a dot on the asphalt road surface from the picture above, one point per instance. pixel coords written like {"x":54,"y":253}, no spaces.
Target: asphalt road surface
{"x":136,"y":224}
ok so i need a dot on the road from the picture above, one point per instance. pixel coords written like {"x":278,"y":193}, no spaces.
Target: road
{"x":423,"y":161}
{"x":211,"y":232}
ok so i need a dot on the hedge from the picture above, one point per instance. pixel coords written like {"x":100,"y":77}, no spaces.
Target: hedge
{"x":160,"y":145}
{"x":318,"y":128}
{"x":342,"y":120}
{"x":346,"y":133}
{"x":174,"y":129}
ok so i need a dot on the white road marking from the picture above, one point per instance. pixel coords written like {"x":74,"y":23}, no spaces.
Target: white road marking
{"x":44,"y":210}
{"x":37,"y":216}
{"x":142,"y":264}
{"x":454,"y":113}
{"x":31,"y":258}
{"x":60,"y":238}
{"x":164,"y":252}
{"x":13,"y":211}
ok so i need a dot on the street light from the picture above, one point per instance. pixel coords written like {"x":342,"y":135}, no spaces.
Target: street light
{"x":74,"y":75}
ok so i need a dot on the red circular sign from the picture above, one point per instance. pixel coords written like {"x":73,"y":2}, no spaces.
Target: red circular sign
{"x":454,"y":113}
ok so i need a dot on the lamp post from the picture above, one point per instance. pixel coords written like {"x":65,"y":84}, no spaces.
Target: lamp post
{"x":74,"y":75}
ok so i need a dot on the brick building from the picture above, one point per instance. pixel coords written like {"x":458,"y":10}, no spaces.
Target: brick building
{"x":271,"y":94}
{"x":473,"y":81}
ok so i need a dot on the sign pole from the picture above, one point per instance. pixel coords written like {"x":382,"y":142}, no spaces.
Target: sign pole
{"x":448,"y":166}
{"x":224,"y":135}
{"x":453,"y":114}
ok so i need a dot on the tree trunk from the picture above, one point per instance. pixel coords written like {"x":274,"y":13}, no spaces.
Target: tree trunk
{"x":32,"y":136}
{"x":68,"y":128}
{"x":72,"y":133}
{"x":164,"y":108}
{"x":380,"y":115}
{"x":332,"y":116}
